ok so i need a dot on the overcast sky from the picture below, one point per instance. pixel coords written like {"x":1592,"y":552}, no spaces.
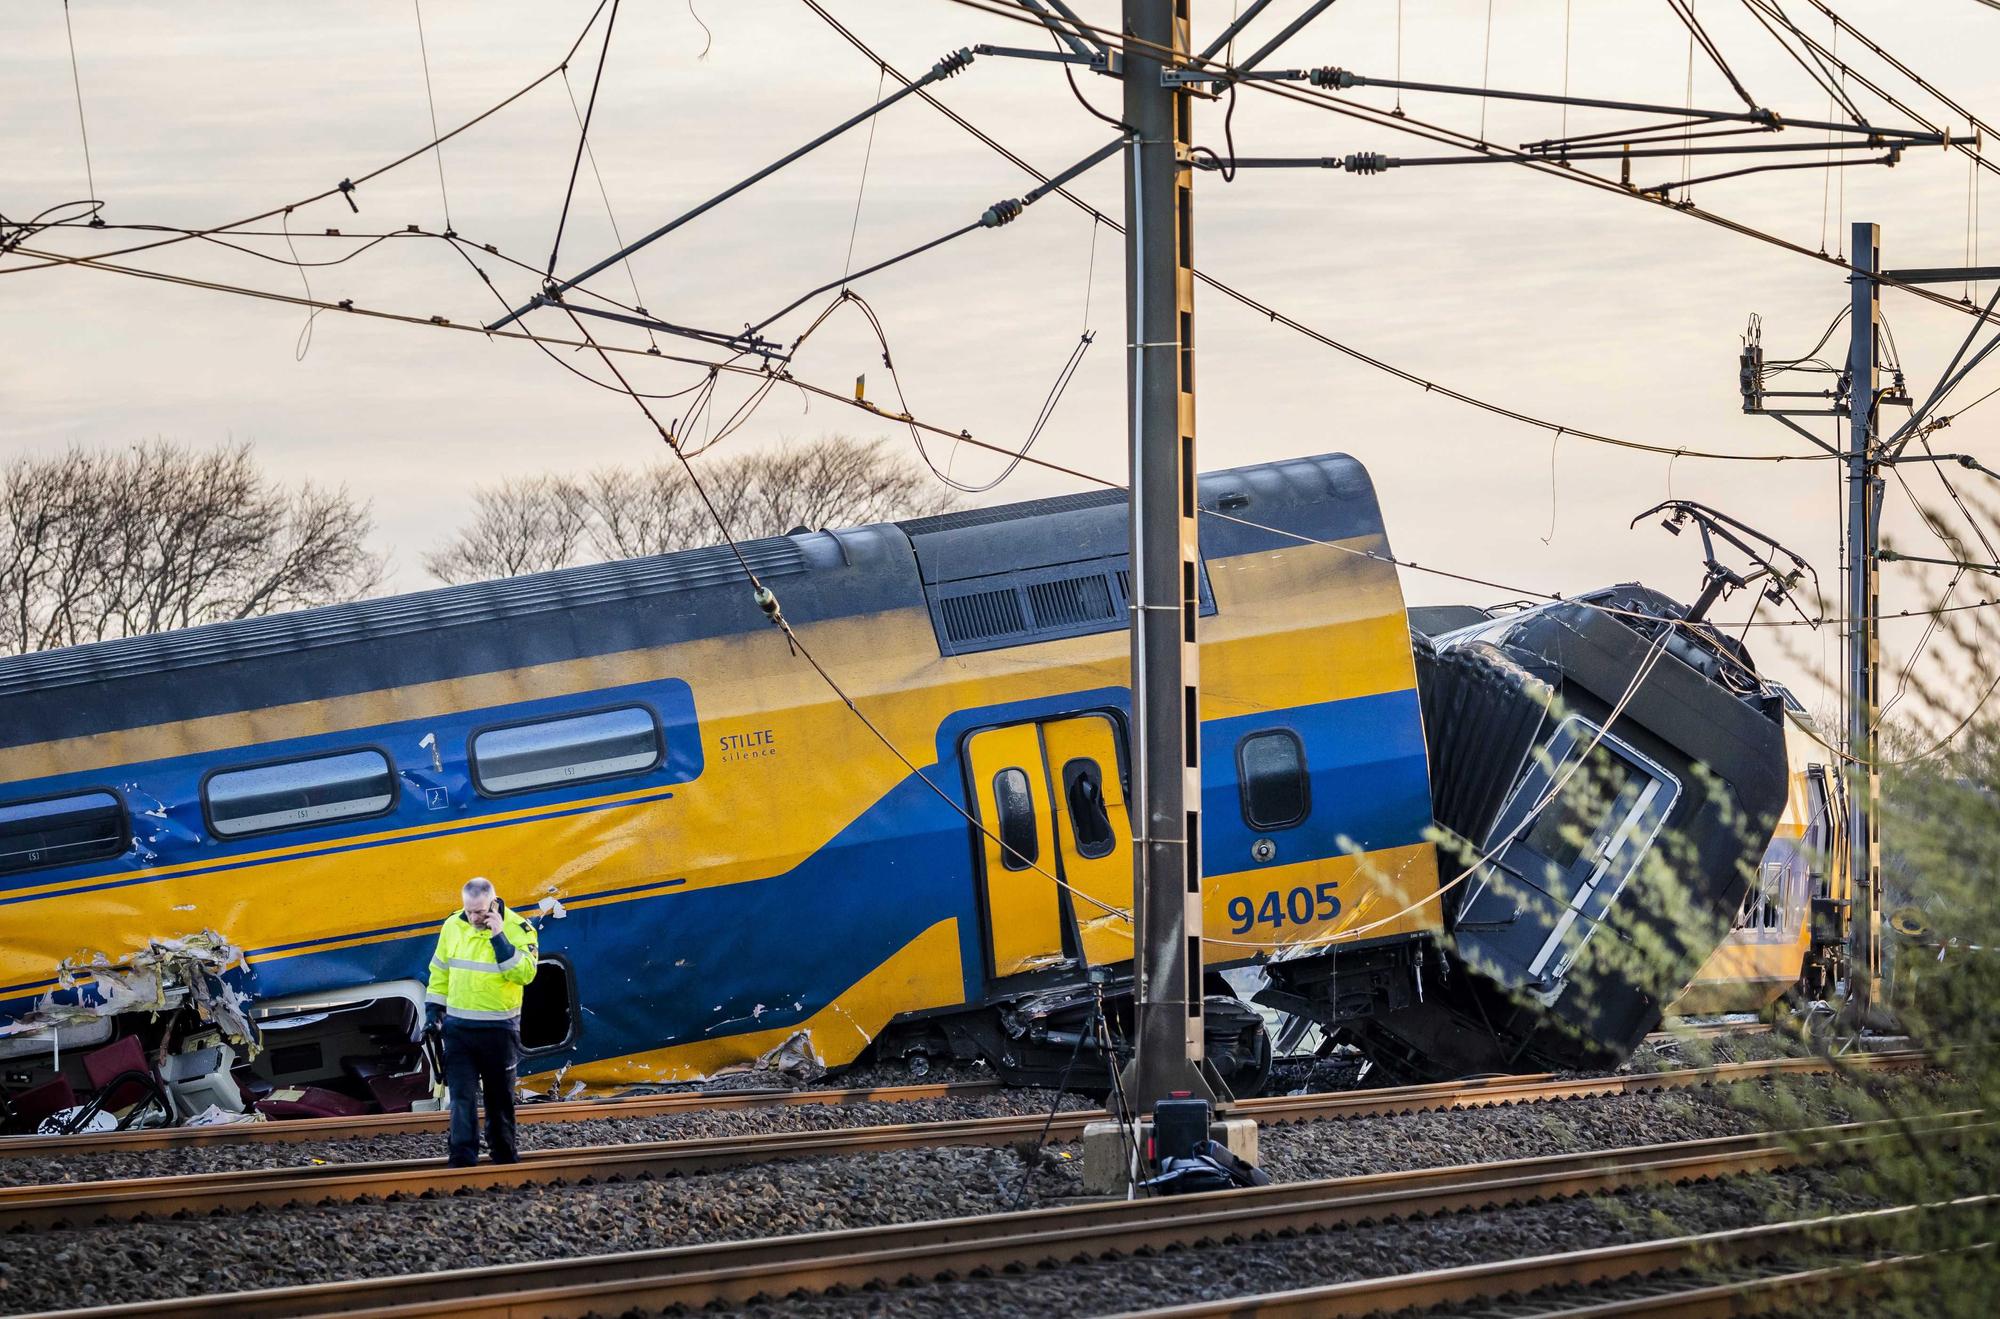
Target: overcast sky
{"x":1592,"y":309}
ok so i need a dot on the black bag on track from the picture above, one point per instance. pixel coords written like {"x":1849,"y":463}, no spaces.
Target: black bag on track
{"x":1210,"y":1168}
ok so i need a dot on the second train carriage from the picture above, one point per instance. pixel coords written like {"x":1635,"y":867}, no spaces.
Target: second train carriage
{"x":744,"y":868}
{"x":1789,"y":934}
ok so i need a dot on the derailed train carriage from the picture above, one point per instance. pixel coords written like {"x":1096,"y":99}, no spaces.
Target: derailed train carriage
{"x":733,"y":869}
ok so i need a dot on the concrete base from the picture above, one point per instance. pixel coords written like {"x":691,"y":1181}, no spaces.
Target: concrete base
{"x":1107,"y":1159}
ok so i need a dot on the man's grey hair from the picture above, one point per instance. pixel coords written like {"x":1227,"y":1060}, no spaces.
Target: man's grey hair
{"x":478,"y":888}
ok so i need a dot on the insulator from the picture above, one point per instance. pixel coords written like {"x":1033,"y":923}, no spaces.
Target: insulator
{"x":1000,"y":213}
{"x":1328,"y":76}
{"x":1366,"y":162}
{"x":952,"y":63}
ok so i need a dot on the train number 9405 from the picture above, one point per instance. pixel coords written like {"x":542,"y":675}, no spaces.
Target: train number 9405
{"x":1299,"y":906}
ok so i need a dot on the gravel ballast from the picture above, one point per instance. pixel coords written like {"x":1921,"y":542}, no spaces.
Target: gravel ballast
{"x":608,"y":1130}
{"x":1248,"y":1268}
{"x":128,"y":1262}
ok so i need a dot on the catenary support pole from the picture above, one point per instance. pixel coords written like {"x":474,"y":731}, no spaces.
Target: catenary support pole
{"x":1159,"y":281}
{"x":1864,"y":508}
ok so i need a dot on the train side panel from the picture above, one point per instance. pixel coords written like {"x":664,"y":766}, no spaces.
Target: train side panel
{"x":778,"y":870}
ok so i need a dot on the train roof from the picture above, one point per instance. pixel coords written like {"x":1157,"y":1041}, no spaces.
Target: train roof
{"x":636,"y":603}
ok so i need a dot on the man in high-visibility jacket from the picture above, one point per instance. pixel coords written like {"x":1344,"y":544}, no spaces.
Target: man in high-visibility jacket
{"x":485,"y":956}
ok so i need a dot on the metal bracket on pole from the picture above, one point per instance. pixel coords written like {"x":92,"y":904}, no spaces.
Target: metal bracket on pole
{"x":1071,"y":30}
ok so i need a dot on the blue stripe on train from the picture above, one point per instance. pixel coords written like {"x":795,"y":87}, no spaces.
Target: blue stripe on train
{"x":163,"y":796}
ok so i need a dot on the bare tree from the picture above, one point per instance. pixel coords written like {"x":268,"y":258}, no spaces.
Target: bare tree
{"x":523,"y":526}
{"x":546,"y":522}
{"x":160,"y":536}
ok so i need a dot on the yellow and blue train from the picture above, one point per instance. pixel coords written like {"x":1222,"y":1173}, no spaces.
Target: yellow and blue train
{"x":743,"y":867}
{"x":1789,"y":935}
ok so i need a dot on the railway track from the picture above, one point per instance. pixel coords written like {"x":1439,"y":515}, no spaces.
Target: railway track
{"x":1709,"y":1030}
{"x":298,"y":1130}
{"x":310,"y":1130}
{"x":774,"y":1267}
{"x":1752,"y":1270}
{"x":76,"y":1204}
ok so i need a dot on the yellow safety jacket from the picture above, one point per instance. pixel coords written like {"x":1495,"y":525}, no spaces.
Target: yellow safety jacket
{"x":467,"y":976}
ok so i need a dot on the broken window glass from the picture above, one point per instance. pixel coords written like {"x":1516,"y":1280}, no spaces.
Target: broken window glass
{"x":1089,"y":821}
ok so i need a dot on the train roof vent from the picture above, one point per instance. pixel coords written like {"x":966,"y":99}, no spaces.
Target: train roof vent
{"x":1038,"y":604}
{"x":1068,"y":601}
{"x":981,"y":616}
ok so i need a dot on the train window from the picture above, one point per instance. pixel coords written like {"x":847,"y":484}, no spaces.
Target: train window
{"x":346,"y":785}
{"x":572,"y":749}
{"x":548,"y":1007}
{"x":1083,"y":788}
{"x":1819,"y":816}
{"x":1271,"y":772}
{"x":1580,"y":818}
{"x":1020,"y":845}
{"x":84,"y":826}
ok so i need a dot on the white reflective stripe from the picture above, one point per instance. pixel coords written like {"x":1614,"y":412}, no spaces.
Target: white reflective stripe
{"x":508,"y":963}
{"x":434,"y":998}
{"x":466,"y":964}
{"x":481,"y":1014}
{"x":437,"y":963}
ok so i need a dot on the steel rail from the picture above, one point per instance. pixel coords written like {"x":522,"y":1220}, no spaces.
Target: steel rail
{"x":1770,"y":1290}
{"x":1709,"y":1030}
{"x":739,"y":1271}
{"x":84,"y":1203}
{"x":294,"y":1130}
{"x":1401,"y":1292}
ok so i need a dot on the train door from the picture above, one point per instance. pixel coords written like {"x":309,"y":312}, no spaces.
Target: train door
{"x":1830,"y":894}
{"x":1093,"y":833}
{"x":1055,"y":842}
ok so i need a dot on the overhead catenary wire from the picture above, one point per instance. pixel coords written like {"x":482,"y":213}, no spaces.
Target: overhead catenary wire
{"x":768,"y":602}
{"x":345,"y":188}
{"x":861,"y":188}
{"x":946,"y":67}
{"x":1433,"y":132}
{"x":82,"y":128}
{"x":610,"y":215}
{"x":735,"y":366}
{"x":1841,"y":24}
{"x":345,"y":308}
{"x":962,"y":436}
{"x":997,"y":215}
{"x":1684,"y":10}
{"x":1274,"y":316}
{"x":430,"y":99}
{"x":583,"y":138}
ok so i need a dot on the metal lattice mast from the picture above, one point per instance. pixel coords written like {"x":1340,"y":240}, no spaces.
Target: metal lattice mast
{"x":1864,"y":508}
{"x":1159,"y":281}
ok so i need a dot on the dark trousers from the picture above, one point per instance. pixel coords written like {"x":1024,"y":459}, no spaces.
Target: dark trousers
{"x":481,"y":1057}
